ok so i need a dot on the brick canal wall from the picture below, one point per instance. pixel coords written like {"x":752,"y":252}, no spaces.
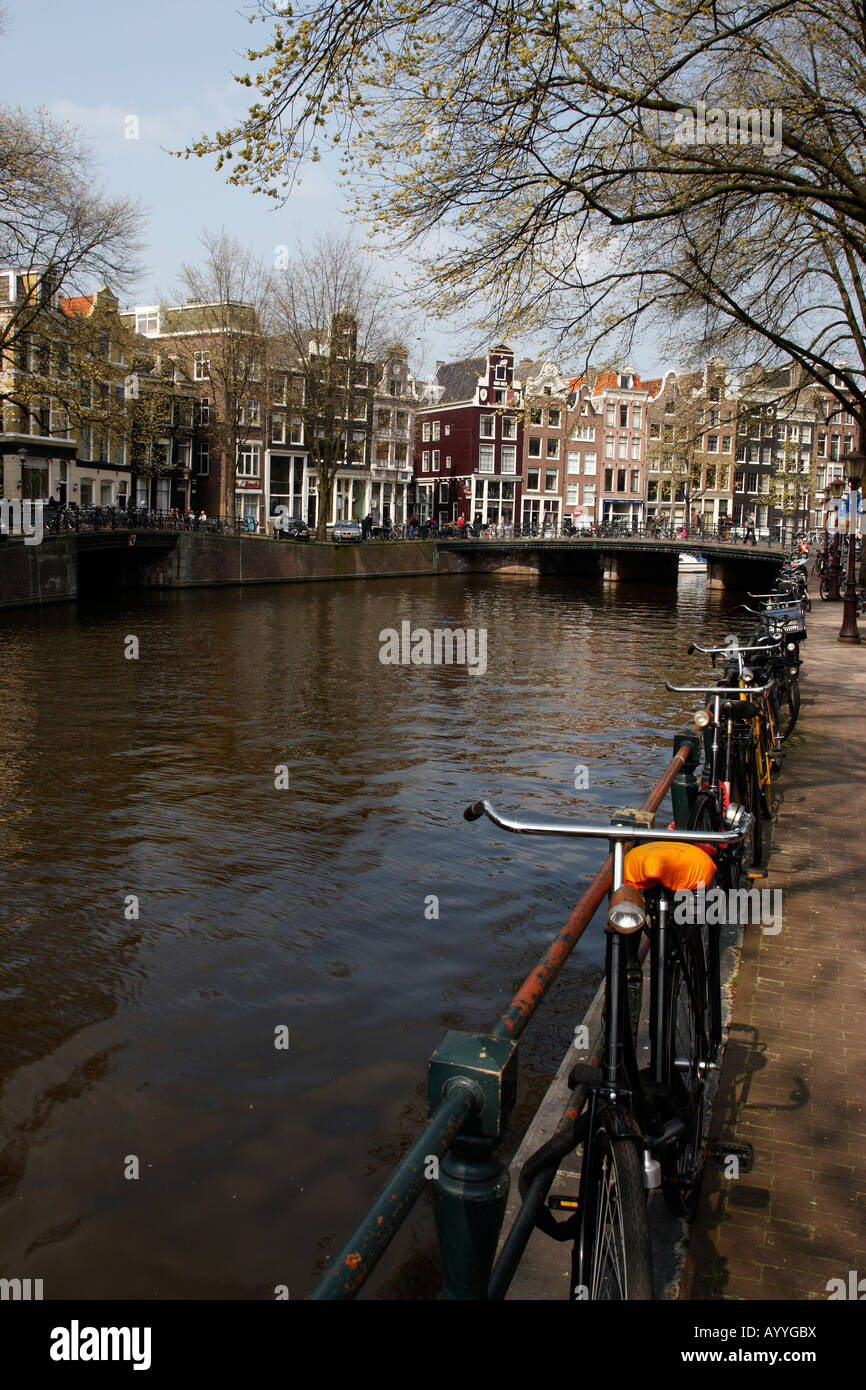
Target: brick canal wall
{"x":213,"y":560}
{"x":36,"y":574}
{"x":58,"y":568}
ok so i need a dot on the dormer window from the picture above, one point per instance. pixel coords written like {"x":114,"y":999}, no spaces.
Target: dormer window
{"x":501,"y":371}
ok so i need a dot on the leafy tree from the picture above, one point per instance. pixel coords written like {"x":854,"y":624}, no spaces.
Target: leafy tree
{"x":334,"y":323}
{"x":231,"y":291}
{"x":600,"y":170}
{"x":58,"y":230}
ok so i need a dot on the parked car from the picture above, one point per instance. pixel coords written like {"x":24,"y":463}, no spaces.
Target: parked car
{"x":346,"y":531}
{"x":292,"y":529}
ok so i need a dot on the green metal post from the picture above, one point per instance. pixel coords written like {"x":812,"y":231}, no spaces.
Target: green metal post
{"x":469,"y":1201}
{"x":471,"y":1190}
{"x":684,"y":787}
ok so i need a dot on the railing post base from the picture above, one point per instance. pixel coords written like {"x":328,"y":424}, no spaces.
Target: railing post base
{"x":471,"y":1191}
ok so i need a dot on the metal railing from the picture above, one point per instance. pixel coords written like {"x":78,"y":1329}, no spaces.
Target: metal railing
{"x":60,"y":520}
{"x":471,"y":1087}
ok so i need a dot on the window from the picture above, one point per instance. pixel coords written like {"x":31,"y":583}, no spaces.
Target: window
{"x":278,"y":429}
{"x":447,"y":429}
{"x":147,"y":322}
{"x":623,"y":417}
{"x":822,"y":446}
{"x":200,"y":366}
{"x":589,"y":464}
{"x":571,"y":494}
{"x":635,"y":480}
{"x":253,"y":413}
{"x":670,"y":406}
{"x":279,"y":390}
{"x":620,"y":479}
{"x":297,"y":434}
{"x":715,"y":393}
{"x":498,"y":397}
{"x":589,"y":495}
{"x":435,"y":428}
{"x":425,"y":431}
{"x":509,"y":458}
{"x":712,"y":443}
{"x":443,"y":487}
{"x":610,"y":415}
{"x":551,"y":480}
{"x":486,"y":455}
{"x":202,"y":462}
{"x":727,"y":441}
{"x":425,"y":461}
{"x":487,"y":427}
{"x":635,"y":447}
{"x":501,"y":371}
{"x":636,"y":416}
{"x":509,"y":427}
{"x":533,"y":480}
{"x":622,"y":448}
{"x":573,"y":462}
{"x":553,"y":418}
{"x":608,"y":480}
{"x":435,"y":460}
{"x":583,"y":432}
{"x":608,"y":446}
{"x":248,"y":461}
{"x":552,"y":448}
{"x":535,"y":415}
{"x":534,"y":450}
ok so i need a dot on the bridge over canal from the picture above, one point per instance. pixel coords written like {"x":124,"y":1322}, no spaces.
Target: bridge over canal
{"x":102,"y":560}
{"x":620,"y":559}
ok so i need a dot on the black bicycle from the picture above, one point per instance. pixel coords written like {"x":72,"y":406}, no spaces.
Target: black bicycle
{"x":640,"y":1128}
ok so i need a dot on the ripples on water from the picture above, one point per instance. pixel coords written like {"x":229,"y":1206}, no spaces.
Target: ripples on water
{"x":305,"y":908}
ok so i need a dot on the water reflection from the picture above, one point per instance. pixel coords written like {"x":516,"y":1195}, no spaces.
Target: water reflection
{"x":304,"y":907}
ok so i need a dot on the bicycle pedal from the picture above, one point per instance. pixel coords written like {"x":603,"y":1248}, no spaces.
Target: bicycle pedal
{"x":720,"y":1150}
{"x":562,"y":1203}
{"x":757,"y":873}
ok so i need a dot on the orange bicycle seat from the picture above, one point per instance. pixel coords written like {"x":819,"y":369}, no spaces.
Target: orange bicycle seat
{"x":673,"y":865}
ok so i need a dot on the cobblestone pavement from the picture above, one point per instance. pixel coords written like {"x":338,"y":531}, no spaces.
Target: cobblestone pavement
{"x":793,"y":1082}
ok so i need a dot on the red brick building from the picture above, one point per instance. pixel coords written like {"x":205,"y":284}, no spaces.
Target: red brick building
{"x":469,"y":441}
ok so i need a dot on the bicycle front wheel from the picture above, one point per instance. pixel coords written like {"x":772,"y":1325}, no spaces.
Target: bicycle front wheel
{"x":687,"y":1055}
{"x":613,"y":1256}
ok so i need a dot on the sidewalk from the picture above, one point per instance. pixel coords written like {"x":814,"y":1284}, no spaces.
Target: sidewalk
{"x":794,"y":1073}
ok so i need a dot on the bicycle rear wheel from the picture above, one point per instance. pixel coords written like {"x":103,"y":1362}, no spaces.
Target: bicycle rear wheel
{"x":790,"y":707}
{"x":687,"y":1055}
{"x":613,"y":1259}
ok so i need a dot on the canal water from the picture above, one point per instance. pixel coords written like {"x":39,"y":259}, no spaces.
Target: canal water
{"x":155,"y":1142}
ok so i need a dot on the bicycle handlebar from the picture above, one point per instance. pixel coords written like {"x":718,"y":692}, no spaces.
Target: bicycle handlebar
{"x":557,"y":825}
{"x":730,"y":651}
{"x":720,"y":689}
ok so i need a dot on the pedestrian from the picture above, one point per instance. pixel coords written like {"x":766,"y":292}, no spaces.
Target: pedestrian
{"x":461,"y":526}
{"x":750,"y":530}
{"x":367,"y":527}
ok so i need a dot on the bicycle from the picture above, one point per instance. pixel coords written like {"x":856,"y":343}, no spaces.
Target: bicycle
{"x":765,"y":744}
{"x":641,"y":1129}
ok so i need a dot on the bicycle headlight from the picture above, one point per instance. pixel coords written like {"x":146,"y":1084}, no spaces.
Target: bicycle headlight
{"x":792,"y":646}
{"x":736,"y":816}
{"x":626,"y":912}
{"x":702,"y":718}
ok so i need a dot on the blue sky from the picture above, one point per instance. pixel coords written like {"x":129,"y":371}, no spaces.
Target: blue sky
{"x":170,"y":63}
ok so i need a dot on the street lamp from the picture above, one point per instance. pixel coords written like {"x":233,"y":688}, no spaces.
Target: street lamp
{"x":849,"y":631}
{"x":834,"y":489}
